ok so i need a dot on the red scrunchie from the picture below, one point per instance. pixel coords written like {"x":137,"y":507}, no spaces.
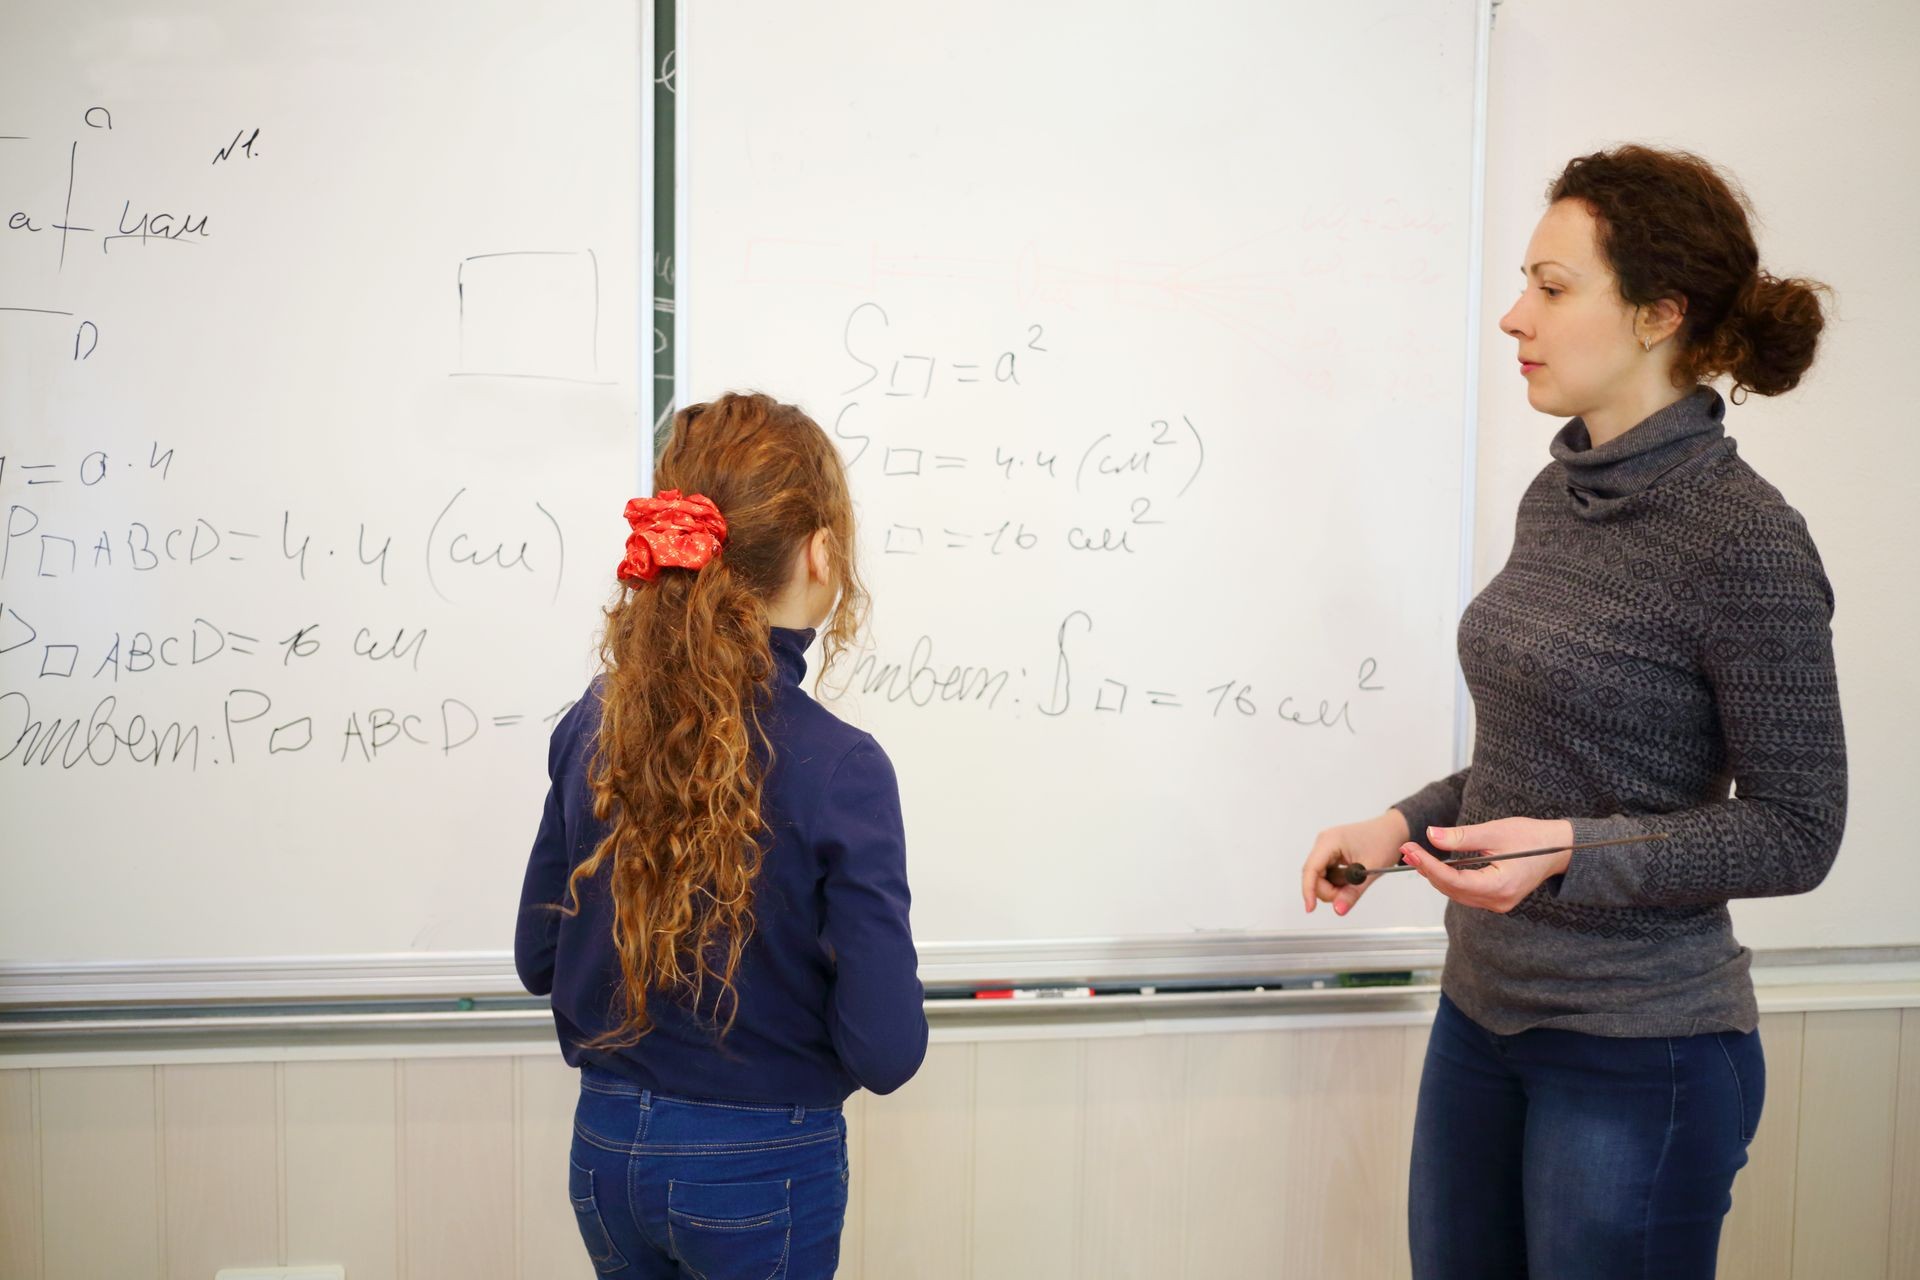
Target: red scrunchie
{"x":671,"y":532}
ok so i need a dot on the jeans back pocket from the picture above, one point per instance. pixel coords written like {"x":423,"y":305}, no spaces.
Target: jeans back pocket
{"x":586,"y":1212}
{"x":731,"y":1230}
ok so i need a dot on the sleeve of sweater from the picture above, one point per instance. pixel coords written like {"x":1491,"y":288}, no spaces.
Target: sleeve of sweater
{"x":1768,"y":655}
{"x":537,"y":931}
{"x":1435,"y":805}
{"x":877,"y":1020}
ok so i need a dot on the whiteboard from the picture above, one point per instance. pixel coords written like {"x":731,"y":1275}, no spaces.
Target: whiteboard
{"x":319,"y":399}
{"x":1812,"y":156}
{"x":1297,"y":280}
{"x":1147,"y":344}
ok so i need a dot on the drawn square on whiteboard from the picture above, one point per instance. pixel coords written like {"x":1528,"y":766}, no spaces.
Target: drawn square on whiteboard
{"x":51,"y":663}
{"x":533,"y":314}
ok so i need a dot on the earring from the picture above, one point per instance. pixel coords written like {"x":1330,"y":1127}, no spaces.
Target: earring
{"x":1646,"y":345}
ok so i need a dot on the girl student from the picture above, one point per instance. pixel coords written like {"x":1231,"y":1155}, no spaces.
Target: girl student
{"x":717,"y":895}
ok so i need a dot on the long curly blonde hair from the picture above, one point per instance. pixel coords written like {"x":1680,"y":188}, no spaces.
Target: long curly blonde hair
{"x":682,"y":757}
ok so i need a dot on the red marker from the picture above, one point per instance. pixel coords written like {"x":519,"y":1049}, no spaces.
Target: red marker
{"x":1034,"y":993}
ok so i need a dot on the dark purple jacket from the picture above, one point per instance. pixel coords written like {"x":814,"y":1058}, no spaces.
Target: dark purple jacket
{"x":830,"y":996}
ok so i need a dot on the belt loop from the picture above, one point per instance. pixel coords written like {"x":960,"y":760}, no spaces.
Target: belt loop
{"x":799,"y":1114}
{"x":646,"y":1099}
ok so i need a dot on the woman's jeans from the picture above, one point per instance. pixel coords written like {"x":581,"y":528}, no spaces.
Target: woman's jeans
{"x":1563,"y":1156}
{"x":668,"y":1187}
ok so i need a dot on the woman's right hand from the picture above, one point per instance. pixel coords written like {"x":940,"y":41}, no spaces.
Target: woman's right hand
{"x":1373,"y":843}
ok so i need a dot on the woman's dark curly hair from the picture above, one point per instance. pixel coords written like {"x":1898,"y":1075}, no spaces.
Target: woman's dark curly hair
{"x":1673,"y":226}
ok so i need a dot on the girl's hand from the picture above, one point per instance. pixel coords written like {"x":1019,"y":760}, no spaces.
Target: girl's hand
{"x":1374,"y":843}
{"x":1502,"y":886}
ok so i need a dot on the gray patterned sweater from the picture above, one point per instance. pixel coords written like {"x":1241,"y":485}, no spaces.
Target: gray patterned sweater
{"x":1658,"y":639}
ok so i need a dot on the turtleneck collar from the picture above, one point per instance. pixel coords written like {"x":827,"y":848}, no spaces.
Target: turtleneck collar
{"x":1680,"y":440}
{"x":790,"y":653}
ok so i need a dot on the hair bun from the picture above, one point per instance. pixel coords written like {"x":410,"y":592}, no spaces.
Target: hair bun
{"x":1768,"y":340}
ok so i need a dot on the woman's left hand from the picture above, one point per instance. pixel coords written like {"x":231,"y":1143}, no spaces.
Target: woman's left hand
{"x":1502,"y":885}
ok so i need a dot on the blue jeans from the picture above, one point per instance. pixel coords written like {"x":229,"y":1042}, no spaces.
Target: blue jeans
{"x":1563,"y":1156}
{"x":670,"y":1187}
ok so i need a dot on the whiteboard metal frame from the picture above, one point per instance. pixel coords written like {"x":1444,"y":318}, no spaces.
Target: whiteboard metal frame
{"x":1165,"y":958}
{"x":643,"y":327}
{"x":1470,"y":411}
{"x":682,"y":159}
{"x":208,"y":983}
{"x":1785,"y":981}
